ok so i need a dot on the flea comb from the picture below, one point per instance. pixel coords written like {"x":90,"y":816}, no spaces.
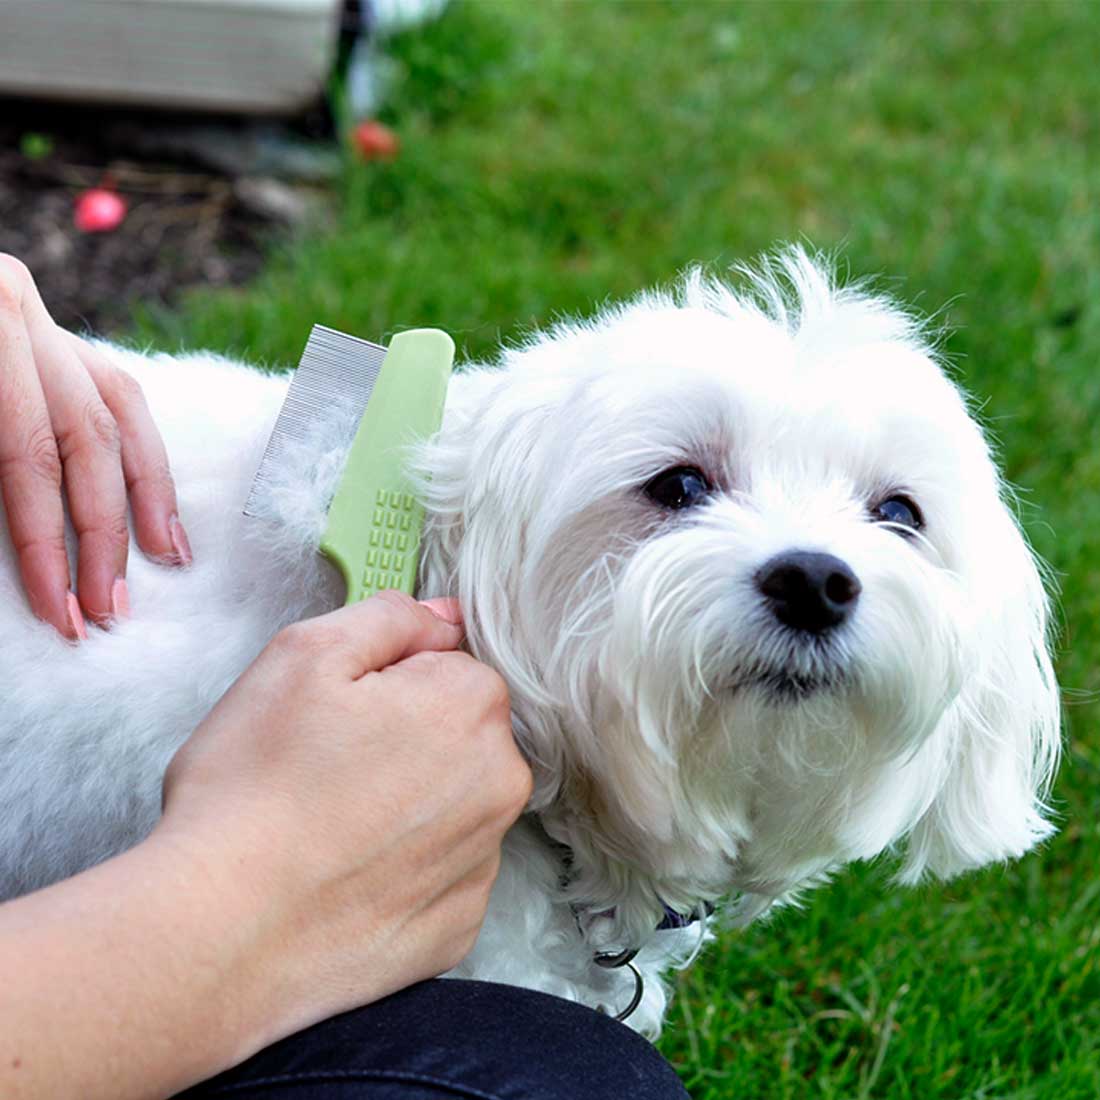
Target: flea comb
{"x":374,"y":521}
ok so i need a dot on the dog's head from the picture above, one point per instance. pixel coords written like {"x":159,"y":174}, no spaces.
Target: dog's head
{"x":746,"y":565}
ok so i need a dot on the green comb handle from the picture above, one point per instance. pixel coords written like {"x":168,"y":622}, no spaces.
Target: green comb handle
{"x":374,"y":522}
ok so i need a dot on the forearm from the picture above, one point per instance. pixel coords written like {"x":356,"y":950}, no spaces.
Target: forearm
{"x":133,"y":979}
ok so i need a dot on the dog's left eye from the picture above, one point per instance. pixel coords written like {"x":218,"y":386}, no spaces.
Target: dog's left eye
{"x":899,"y":510}
{"x":679,"y":487}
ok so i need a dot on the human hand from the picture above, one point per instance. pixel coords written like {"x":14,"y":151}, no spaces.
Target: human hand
{"x":359,"y":777}
{"x":68,"y":415}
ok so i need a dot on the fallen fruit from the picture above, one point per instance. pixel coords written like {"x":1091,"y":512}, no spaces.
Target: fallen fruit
{"x":373,"y":141}
{"x":98,"y":210}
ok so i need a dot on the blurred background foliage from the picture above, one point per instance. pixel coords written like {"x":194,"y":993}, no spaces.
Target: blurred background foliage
{"x":557,"y":155}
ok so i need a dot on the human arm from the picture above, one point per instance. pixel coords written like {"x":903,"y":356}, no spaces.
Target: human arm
{"x":330,"y":834}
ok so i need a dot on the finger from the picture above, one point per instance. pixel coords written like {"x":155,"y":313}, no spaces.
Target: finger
{"x":144,"y":459}
{"x":30,"y":474}
{"x":90,"y":451}
{"x":370,"y":635}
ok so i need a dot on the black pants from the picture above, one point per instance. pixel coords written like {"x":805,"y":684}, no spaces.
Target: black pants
{"x":477,"y":1040}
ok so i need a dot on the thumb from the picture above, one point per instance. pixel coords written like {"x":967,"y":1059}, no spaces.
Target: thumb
{"x":388,"y":627}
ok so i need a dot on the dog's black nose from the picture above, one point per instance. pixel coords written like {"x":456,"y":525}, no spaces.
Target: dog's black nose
{"x":808,"y":590}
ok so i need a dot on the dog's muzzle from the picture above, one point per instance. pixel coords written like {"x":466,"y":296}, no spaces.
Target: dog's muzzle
{"x":809,"y":595}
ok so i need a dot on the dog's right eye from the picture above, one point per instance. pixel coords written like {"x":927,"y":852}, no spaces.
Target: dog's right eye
{"x":679,"y":487}
{"x":901,"y":512}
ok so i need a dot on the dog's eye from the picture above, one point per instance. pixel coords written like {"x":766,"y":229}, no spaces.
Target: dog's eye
{"x":900,"y":510}
{"x":679,"y":487}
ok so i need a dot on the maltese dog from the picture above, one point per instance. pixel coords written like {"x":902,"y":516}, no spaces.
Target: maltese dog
{"x":742,"y":558}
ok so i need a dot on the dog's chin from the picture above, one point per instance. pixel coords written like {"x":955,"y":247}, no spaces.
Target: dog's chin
{"x":784,"y":686}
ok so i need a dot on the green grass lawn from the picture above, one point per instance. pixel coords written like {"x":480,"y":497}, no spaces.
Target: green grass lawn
{"x":556,"y":155}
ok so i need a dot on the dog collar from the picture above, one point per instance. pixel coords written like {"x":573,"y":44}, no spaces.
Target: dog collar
{"x":673,"y":920}
{"x":614,"y":960}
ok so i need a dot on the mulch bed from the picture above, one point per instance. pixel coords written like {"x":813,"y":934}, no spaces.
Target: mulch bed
{"x":187,"y":223}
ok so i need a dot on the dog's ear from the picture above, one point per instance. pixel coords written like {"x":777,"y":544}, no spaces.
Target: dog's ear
{"x":476,"y":478}
{"x":1003,"y":738}
{"x":445,"y":471}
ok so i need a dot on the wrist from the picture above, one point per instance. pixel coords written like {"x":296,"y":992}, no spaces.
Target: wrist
{"x":237,"y":919}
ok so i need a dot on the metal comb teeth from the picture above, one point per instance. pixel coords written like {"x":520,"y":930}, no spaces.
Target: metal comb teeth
{"x":335,"y":368}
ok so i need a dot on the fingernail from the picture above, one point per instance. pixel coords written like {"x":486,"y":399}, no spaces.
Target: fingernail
{"x":180,"y":546}
{"x":76,"y":619}
{"x":444,"y":608}
{"x":120,"y":599}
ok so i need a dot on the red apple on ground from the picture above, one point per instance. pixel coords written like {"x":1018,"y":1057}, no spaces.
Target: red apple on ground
{"x":98,"y":210}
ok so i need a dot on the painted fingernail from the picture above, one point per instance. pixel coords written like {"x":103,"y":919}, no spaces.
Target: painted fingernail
{"x":180,"y":546}
{"x":120,"y":599}
{"x":76,"y":619}
{"x":444,"y":608}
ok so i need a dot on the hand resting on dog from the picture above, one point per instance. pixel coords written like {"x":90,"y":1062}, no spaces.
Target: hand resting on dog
{"x":66,"y":412}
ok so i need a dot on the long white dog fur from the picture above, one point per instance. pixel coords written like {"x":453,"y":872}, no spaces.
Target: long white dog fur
{"x":688,"y":745}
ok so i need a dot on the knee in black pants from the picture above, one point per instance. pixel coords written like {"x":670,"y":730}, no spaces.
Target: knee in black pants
{"x":448,"y":1038}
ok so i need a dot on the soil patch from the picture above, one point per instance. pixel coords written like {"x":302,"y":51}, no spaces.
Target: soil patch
{"x":204,"y":198}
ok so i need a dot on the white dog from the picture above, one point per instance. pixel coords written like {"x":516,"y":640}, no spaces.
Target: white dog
{"x":743,"y":560}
